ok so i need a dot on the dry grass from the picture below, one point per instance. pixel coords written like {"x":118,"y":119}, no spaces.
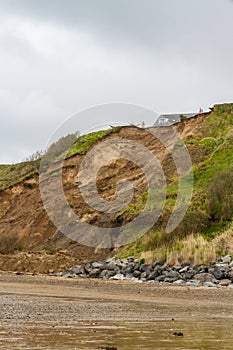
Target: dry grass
{"x":151,"y":256}
{"x":223,"y":244}
{"x":193,"y":249}
{"x":9,"y":243}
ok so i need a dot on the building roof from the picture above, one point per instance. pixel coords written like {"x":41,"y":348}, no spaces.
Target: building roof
{"x":170,"y":119}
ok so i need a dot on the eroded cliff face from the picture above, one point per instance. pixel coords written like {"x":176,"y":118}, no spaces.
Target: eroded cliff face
{"x":25,"y":225}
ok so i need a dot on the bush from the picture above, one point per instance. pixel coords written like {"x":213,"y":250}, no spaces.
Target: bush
{"x":9,"y":243}
{"x":221,"y":196}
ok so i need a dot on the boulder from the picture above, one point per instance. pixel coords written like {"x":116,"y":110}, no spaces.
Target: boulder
{"x":136,"y":273}
{"x":209,"y":284}
{"x":179,"y":282}
{"x":153,"y":275}
{"x":173,"y":274}
{"x":117,"y":277}
{"x":130,"y":259}
{"x":188,"y":275}
{"x":218,"y":274}
{"x":184,"y":269}
{"x":226,"y":259}
{"x":94,"y":273}
{"x":79,"y":269}
{"x":145,"y":267}
{"x":225,"y":282}
{"x":204,"y":277}
{"x":97,"y":265}
{"x":193,"y":283}
{"x":230,"y":275}
{"x":156,"y":263}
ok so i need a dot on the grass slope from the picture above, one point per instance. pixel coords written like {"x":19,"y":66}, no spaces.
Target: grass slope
{"x":11,"y":174}
{"x":207,"y":228}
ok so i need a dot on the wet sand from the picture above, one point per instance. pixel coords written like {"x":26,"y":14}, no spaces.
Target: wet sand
{"x":40,"y":312}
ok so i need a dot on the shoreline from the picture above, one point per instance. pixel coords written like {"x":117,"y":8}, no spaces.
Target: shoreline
{"x":51,"y":313}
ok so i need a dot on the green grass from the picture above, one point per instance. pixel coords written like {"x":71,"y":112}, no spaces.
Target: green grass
{"x":214,"y":142}
{"x":84,"y":142}
{"x":12,"y":174}
{"x":15,"y":173}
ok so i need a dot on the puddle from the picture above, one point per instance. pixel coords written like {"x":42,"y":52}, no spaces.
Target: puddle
{"x":211,"y":334}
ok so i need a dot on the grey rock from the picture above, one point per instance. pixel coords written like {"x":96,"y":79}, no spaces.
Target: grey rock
{"x":117,"y":270}
{"x":164,"y":267}
{"x":177,"y":268}
{"x":171,"y":279}
{"x":204,"y":277}
{"x":173,"y":274}
{"x":87,"y":268}
{"x":230,"y":275}
{"x":111,"y":266}
{"x":138,"y":281}
{"x":97,"y":265}
{"x":143,"y":279}
{"x":144,"y":275}
{"x":69,"y":275}
{"x":153,"y":275}
{"x":209,"y":284}
{"x":161,"y":278}
{"x":145,"y":267}
{"x":158,"y":270}
{"x":225,"y":282}
{"x":136,"y":273}
{"x":189,"y":274}
{"x":179,"y":282}
{"x":118,"y":277}
{"x":202,"y":269}
{"x":127,"y":269}
{"x":226,"y":259}
{"x":110,"y":274}
{"x":156,"y":263}
{"x":57,"y":274}
{"x":193,"y":283}
{"x":223,"y":266}
{"x":78,"y":269}
{"x":128,"y":277}
{"x":104,"y":274}
{"x":134,"y":279}
{"x":124,"y":262}
{"x":94,"y":273}
{"x":218,"y":274}
{"x":136,"y":266}
{"x":184,"y":269}
{"x":130,"y":259}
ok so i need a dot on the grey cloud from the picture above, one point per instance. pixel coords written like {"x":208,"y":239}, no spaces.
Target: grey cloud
{"x":168,"y":55}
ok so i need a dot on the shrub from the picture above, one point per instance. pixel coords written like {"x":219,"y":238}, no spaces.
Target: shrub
{"x":221,"y":196}
{"x":9,"y":243}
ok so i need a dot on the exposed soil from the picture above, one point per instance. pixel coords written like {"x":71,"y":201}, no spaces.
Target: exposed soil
{"x":25,"y":225}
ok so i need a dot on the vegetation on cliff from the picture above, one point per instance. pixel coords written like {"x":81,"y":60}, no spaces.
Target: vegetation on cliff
{"x":207,"y":228}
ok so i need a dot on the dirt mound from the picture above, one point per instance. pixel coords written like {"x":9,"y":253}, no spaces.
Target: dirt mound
{"x":40,"y":263}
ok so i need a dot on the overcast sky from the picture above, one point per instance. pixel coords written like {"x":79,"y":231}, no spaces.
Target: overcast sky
{"x":58,"y":57}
